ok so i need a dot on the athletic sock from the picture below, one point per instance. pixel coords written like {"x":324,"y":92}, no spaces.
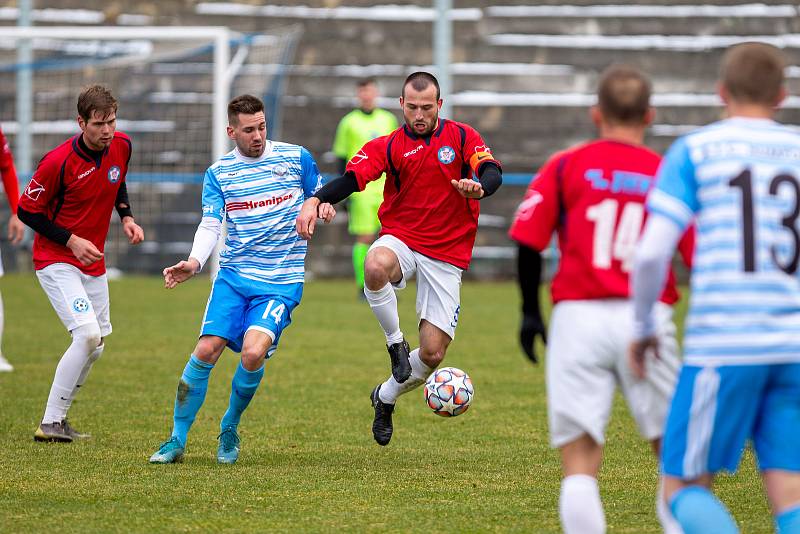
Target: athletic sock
{"x":191,"y":394}
{"x":384,"y":305}
{"x":243,"y":387}
{"x":698,"y":511}
{"x":2,"y":324}
{"x":580,"y":507}
{"x":93,"y":357}
{"x":68,"y":371}
{"x":788,"y":521}
{"x":391,"y":389}
{"x":359,"y":255}
{"x":668,"y":523}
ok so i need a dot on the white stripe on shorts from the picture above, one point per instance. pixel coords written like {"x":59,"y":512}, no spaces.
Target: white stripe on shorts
{"x":701,"y":423}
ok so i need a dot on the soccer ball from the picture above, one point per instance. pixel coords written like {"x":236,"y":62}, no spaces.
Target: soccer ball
{"x":449,"y":391}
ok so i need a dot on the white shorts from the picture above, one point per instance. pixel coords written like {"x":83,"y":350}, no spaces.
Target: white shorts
{"x":587,"y":358}
{"x":438,"y":284}
{"x":79,"y":299}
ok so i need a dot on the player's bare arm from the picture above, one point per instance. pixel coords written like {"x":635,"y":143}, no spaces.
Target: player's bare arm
{"x":637,"y":354}
{"x":84,"y":250}
{"x":16,"y":229}
{"x":180,"y":272}
{"x":132,"y":230}
{"x":312,"y":210}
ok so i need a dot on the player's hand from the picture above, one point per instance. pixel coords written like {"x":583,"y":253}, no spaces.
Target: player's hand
{"x":531,"y":327}
{"x":84,"y":250}
{"x":468,"y":188}
{"x":637,"y":354}
{"x":180,"y":272}
{"x":326,"y":212}
{"x":307,"y":218}
{"x":16,"y":229}
{"x":132,"y":230}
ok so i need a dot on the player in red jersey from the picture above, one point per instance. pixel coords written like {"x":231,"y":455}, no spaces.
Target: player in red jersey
{"x":593,"y":196}
{"x":429,"y":217}
{"x":16,"y":230}
{"x":68,"y":202}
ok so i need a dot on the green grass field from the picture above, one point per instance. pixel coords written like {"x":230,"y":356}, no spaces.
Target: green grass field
{"x":308,"y":461}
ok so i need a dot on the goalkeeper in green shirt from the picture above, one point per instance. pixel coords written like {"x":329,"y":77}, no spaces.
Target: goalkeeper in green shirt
{"x":354,"y":131}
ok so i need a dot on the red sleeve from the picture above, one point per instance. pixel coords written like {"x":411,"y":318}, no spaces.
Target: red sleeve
{"x":10,"y":180}
{"x":476,"y":153}
{"x":369,"y":163}
{"x":686,"y":246}
{"x":537,"y":215}
{"x":44,"y":185}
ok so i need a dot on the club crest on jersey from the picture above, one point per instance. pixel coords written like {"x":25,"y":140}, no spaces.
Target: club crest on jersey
{"x":280,"y":169}
{"x":113,"y":174}
{"x":33,"y":190}
{"x":80,"y":305}
{"x":446,"y":155}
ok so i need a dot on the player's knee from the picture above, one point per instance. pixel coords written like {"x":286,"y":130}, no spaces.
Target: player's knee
{"x":432,"y":357}
{"x":375,"y":274}
{"x":87,"y":335}
{"x":209,"y":348}
{"x":252,"y":357}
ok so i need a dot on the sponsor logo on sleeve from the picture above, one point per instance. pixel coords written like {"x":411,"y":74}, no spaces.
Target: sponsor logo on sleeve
{"x":113,"y":174}
{"x":528,"y":205}
{"x":446,"y":155}
{"x":33,"y":190}
{"x":358,"y":158}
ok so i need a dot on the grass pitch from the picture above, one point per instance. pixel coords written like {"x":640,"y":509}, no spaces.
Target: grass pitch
{"x":308,"y":461}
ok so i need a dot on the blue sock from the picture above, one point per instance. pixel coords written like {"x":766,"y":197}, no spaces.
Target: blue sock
{"x":191,"y":394}
{"x":699,"y":512}
{"x":243,"y":387}
{"x":788,"y":522}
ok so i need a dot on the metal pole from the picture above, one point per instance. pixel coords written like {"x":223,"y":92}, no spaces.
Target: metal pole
{"x":442,"y":46}
{"x":23,"y":151}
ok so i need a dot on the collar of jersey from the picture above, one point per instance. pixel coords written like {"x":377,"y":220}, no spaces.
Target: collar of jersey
{"x":436,"y":132}
{"x":246,"y":159}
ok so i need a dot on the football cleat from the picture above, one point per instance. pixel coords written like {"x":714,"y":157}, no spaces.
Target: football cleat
{"x":5,"y":367}
{"x":228,"y":450}
{"x":170,"y":452}
{"x":72,"y":432}
{"x":382,"y":424}
{"x":52,"y":432}
{"x":401,"y":364}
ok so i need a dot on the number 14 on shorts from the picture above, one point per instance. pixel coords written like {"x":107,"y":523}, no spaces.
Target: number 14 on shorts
{"x":275,"y":310}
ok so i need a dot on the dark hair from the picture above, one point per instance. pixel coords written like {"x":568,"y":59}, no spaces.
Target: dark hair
{"x":753,"y":73}
{"x":623,"y":94}
{"x":363,"y":82}
{"x":247,"y":104}
{"x":96,"y":98}
{"x":420,"y":81}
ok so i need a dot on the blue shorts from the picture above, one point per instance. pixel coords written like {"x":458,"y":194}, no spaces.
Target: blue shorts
{"x":238,"y":304}
{"x":715,"y":411}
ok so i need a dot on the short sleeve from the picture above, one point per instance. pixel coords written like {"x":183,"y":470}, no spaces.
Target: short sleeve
{"x":312,"y":179}
{"x":369,"y":163}
{"x":476,"y":152}
{"x":537,"y":215}
{"x":213,"y":200}
{"x":675,"y":193}
{"x":44,"y":185}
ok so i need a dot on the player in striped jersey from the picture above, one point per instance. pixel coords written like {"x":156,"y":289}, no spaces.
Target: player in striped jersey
{"x":260,"y":186}
{"x":739,"y":180}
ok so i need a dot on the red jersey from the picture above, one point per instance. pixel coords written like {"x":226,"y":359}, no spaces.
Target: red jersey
{"x":593,"y":195}
{"x":77,"y":193}
{"x":10,"y":180}
{"x":420,"y":205}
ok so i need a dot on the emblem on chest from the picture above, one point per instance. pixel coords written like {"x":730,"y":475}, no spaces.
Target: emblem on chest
{"x":446,"y":155}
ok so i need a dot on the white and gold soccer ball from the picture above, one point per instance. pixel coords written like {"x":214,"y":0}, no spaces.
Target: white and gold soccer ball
{"x":449,"y":391}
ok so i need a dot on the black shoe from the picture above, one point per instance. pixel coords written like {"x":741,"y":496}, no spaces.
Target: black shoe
{"x":382,"y":424}
{"x":401,"y":363}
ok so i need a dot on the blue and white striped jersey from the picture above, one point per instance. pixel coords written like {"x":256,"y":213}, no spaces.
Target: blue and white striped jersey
{"x":261,"y":198}
{"x":739,"y":179}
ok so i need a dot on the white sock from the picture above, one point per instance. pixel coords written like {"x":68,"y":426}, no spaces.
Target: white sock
{"x":85,"y":340}
{"x":391,"y":389}
{"x":93,"y":357}
{"x":384,"y":305}
{"x":668,"y":522}
{"x":2,"y":321}
{"x":579,"y":506}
